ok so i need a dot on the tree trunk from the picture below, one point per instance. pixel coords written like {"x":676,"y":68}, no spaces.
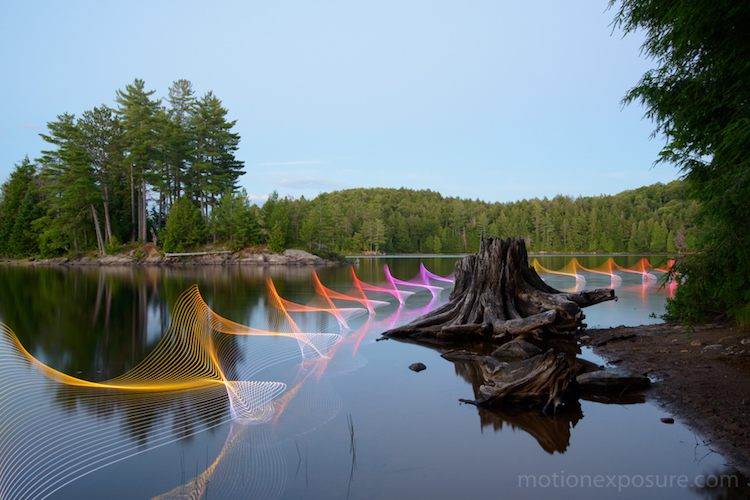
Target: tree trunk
{"x":107,"y":224}
{"x":99,"y":240}
{"x":132,"y":204}
{"x":143,"y":222}
{"x":496,"y":294}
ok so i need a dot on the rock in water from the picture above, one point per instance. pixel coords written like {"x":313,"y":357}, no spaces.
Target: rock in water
{"x":417,"y":367}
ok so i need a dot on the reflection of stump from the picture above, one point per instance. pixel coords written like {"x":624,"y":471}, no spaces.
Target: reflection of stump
{"x":542,"y":379}
{"x":552,"y":432}
{"x":496,"y":294}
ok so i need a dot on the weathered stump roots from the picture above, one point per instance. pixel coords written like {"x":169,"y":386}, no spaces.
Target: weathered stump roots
{"x":497,"y":295}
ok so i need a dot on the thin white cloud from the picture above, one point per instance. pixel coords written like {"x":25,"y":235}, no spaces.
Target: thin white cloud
{"x":256,"y":199}
{"x":26,"y":125}
{"x":287,"y":163}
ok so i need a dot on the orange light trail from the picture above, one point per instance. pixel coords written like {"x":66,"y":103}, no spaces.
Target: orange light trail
{"x":201,"y":363}
{"x":567,"y":270}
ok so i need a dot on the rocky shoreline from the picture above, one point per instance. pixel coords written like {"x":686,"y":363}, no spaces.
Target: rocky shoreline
{"x":289,"y":257}
{"x":702,"y":376}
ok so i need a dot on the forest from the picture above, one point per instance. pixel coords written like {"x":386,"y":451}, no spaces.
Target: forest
{"x":147,"y":171}
{"x":165,"y":171}
{"x":651,"y":219}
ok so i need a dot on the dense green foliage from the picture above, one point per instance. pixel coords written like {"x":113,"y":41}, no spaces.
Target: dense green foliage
{"x":699,"y":98}
{"x":13,"y":194}
{"x":185,"y":226}
{"x":104,"y":170}
{"x":235,"y":221}
{"x":651,"y":219}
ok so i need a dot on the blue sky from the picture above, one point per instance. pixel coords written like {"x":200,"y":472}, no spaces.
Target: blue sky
{"x":489,"y":99}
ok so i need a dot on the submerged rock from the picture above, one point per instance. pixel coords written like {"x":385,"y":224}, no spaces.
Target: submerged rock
{"x":605,"y":381}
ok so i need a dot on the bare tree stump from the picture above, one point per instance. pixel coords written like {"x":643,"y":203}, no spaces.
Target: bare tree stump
{"x":496,"y":295}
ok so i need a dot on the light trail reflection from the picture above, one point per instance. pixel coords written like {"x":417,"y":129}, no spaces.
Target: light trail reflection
{"x":207,"y":371}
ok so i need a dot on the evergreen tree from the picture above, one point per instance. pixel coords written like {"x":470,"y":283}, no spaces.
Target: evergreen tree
{"x":24,"y":239}
{"x":178,"y":137}
{"x":277,"y":240}
{"x":659,"y":238}
{"x":185,"y":226}
{"x":139,"y":117}
{"x":12,"y":196}
{"x":698,"y":97}
{"x":102,"y":139}
{"x":234,"y":221}
{"x":70,"y":186}
{"x":214,"y":169}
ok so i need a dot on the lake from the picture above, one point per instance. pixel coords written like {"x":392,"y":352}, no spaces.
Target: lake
{"x":106,"y":393}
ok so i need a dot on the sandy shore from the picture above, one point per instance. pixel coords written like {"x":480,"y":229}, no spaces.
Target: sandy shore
{"x":702,"y":377}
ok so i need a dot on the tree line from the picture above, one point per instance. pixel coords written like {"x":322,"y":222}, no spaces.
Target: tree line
{"x":152,"y":171}
{"x":651,"y":219}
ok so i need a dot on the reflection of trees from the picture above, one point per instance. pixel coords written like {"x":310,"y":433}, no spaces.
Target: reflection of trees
{"x":93,"y":322}
{"x":149,"y":418}
{"x":75,"y":319}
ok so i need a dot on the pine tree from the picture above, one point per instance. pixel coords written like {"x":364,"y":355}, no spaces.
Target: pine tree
{"x":71,"y":189}
{"x":102,"y":139}
{"x":24,"y":239}
{"x":214,"y":168}
{"x":185,"y":226}
{"x":178,"y":136}
{"x":138,"y":115}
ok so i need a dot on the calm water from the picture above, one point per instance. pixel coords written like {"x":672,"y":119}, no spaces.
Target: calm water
{"x":357,"y":424}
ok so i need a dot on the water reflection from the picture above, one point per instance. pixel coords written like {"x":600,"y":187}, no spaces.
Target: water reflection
{"x":98,"y":324}
{"x":200,"y":373}
{"x":552,"y":432}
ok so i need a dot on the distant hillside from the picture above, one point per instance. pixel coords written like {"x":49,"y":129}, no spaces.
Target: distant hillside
{"x":655,"y":218}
